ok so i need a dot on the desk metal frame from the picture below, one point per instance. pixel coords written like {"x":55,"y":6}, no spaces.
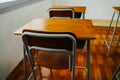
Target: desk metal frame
{"x":116,"y":74}
{"x":114,"y":30}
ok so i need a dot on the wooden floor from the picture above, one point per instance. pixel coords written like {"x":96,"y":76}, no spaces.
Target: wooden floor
{"x":101,"y":66}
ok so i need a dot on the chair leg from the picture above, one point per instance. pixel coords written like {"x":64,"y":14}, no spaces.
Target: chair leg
{"x":24,"y":61}
{"x":32,"y":66}
{"x":39,"y":67}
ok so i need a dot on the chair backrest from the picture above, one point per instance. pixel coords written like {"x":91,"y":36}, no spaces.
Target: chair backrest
{"x":49,"y":39}
{"x":61,"y":13}
{"x":51,"y":42}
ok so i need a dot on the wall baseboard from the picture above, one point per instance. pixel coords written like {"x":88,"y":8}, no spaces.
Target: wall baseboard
{"x":104,"y":23}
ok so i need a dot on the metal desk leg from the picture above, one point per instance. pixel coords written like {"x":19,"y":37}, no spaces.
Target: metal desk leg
{"x":116,"y":72}
{"x":113,"y":35}
{"x":109,"y":27}
{"x":83,"y":15}
{"x":24,"y":61}
{"x":88,"y":60}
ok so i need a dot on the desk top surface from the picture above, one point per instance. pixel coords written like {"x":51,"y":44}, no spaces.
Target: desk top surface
{"x":83,"y":29}
{"x":116,"y":8}
{"x":76,"y":8}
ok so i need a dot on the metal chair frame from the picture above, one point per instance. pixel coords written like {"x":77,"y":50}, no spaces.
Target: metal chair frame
{"x":28,"y":49}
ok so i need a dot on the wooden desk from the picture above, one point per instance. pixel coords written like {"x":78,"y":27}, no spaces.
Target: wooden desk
{"x":117,"y":9}
{"x":83,"y":29}
{"x":78,"y":10}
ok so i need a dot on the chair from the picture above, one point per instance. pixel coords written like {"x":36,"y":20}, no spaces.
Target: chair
{"x":116,"y":74}
{"x":67,"y":13}
{"x":52,"y":52}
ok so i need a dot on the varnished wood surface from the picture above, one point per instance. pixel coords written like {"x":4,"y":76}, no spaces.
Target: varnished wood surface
{"x":76,"y":8}
{"x":105,"y":23}
{"x":83,"y":29}
{"x":102,"y":67}
{"x":117,"y":8}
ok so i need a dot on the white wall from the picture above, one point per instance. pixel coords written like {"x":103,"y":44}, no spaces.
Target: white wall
{"x":96,"y":9}
{"x":11,"y":45}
